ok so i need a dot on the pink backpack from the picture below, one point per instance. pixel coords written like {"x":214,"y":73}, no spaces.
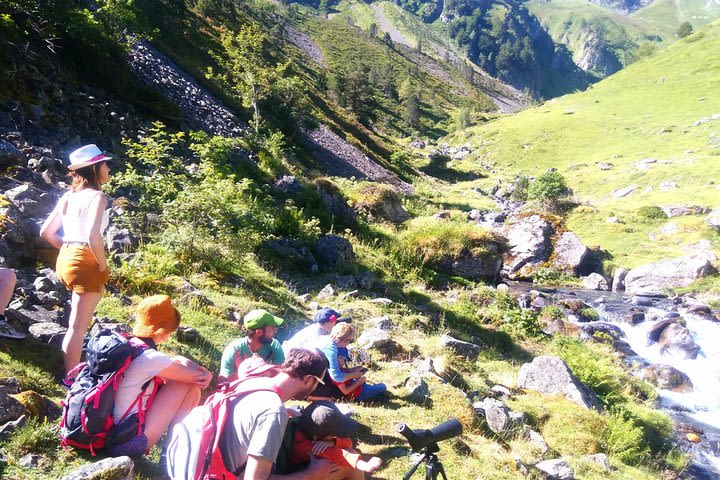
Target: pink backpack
{"x":210,"y":419}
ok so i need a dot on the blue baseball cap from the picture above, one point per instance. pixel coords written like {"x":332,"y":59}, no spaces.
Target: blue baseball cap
{"x":326,"y":314}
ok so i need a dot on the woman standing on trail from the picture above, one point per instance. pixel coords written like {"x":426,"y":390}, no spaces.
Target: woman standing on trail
{"x":81,"y":264}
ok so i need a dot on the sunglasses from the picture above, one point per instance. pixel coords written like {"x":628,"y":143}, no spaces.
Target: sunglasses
{"x":320,"y":380}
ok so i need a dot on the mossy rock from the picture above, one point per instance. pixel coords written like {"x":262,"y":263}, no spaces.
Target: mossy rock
{"x":38,"y":406}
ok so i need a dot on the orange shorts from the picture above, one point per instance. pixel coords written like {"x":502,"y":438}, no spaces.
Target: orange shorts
{"x":78,"y":270}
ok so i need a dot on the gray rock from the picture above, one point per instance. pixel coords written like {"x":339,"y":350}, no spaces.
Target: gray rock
{"x":666,"y":377}
{"x":113,"y":468}
{"x":381,"y":300}
{"x":529,"y":244}
{"x":667,"y":185}
{"x":595,"y":281}
{"x":383,"y":323}
{"x":366,"y":280}
{"x":473,"y":215}
{"x":465,"y":349}
{"x":47,"y":332}
{"x":10,"y":409}
{"x":299,"y":254}
{"x":677,"y":340}
{"x":195,"y":298}
{"x":417,"y":389}
{"x":498,"y":417}
{"x":551,"y":376}
{"x":374,"y":338}
{"x":537,"y":439}
{"x":678,"y":272}
{"x":30,"y":460}
{"x":557,"y":469}
{"x":31,"y":314}
{"x":713,"y":219}
{"x":500,"y":391}
{"x":187,"y":334}
{"x":333,"y":253}
{"x":327,"y":292}
{"x":335,"y":203}
{"x":9,"y":155}
{"x":30,"y":201}
{"x":624,"y":192}
{"x":287,"y":185}
{"x":345,"y":282}
{"x":9,"y":427}
{"x":618,"y":280}
{"x":570,"y":254}
{"x":120,"y":239}
{"x":304,"y":298}
{"x":680,"y":210}
{"x":442,"y":215}
{"x":599,"y":458}
{"x":9,"y":386}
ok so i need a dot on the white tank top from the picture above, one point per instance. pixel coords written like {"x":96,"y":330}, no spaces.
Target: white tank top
{"x":76,"y":226}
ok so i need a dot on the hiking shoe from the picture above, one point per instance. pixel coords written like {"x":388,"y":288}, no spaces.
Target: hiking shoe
{"x":8,"y":332}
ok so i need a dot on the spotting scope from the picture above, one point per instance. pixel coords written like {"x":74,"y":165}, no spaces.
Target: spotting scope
{"x":422,"y":438}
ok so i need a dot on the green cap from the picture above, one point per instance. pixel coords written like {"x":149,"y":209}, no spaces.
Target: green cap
{"x":260,"y":318}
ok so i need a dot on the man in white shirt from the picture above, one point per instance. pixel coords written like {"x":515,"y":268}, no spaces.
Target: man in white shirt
{"x":323,"y":322}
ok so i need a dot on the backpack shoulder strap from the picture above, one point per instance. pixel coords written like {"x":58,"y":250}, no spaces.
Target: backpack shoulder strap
{"x":219,"y":405}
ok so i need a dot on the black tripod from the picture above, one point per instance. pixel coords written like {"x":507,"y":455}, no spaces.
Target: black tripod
{"x":433,"y":466}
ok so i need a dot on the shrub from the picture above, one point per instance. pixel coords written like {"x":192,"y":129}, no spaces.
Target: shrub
{"x":551,"y":313}
{"x":588,"y":314}
{"x":651,"y":213}
{"x":548,"y":188}
{"x":520,"y":189}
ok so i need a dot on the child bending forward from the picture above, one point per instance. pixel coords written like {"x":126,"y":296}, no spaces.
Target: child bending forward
{"x":323,"y":432}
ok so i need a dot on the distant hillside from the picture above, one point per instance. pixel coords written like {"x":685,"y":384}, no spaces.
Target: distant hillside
{"x":606,"y":35}
{"x":653,"y":128}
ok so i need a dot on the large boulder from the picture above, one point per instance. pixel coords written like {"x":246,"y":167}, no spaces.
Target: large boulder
{"x":333,"y":253}
{"x":120,"y":239}
{"x":570,"y":254}
{"x":529,"y":241}
{"x":113,"y":468}
{"x":48,"y":332}
{"x":335,"y":203}
{"x":666,"y":377}
{"x":476,"y":266}
{"x":9,"y":155}
{"x":618,"y":280}
{"x":383,"y":202}
{"x":681,"y":210}
{"x":677,"y":272}
{"x":551,"y":376}
{"x":299,"y":254}
{"x":10,"y":409}
{"x":557,"y":469}
{"x":595,"y":281}
{"x":465,"y":349}
{"x":499,"y":418}
{"x":30,"y":201}
{"x":16,"y":242}
{"x":677,"y":340}
{"x":713,"y":219}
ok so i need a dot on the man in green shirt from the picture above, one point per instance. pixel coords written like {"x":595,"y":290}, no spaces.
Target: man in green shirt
{"x":262,"y":327}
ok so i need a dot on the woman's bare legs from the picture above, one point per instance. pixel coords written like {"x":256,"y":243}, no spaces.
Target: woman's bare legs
{"x":81,"y":314}
{"x":171,"y":404}
{"x":7,"y":286}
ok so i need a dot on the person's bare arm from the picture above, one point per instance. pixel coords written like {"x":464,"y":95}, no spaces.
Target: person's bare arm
{"x":258,"y":468}
{"x":51,"y":226}
{"x":97,"y":246}
{"x":184,"y":370}
{"x":346,"y":388}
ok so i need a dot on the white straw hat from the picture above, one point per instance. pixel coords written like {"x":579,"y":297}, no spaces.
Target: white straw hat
{"x":86,"y":156}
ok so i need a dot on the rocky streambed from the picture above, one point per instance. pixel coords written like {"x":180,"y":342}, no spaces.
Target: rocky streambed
{"x":673,"y":343}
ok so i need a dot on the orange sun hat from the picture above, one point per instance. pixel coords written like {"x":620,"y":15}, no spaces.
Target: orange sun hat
{"x":156,"y":315}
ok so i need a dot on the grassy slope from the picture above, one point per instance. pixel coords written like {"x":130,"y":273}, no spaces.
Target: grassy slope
{"x":644,"y":111}
{"x":666,"y":15}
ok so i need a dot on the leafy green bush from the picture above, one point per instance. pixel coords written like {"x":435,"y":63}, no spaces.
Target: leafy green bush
{"x":651,"y":213}
{"x":588,"y":314}
{"x":520,"y":189}
{"x":551,"y":313}
{"x":548,"y":187}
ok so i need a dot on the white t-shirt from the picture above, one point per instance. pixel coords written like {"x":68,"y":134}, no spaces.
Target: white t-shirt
{"x":258,"y":425}
{"x":147,"y":365}
{"x":303,"y":338}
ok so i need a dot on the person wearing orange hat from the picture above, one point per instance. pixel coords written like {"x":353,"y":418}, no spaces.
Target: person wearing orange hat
{"x":182,"y":381}
{"x":81,"y":264}
{"x":261,"y":326}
